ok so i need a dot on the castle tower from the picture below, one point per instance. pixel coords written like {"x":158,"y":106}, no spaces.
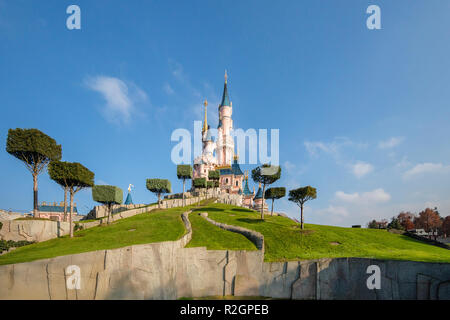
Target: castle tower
{"x":206,"y":161}
{"x":225,"y":143}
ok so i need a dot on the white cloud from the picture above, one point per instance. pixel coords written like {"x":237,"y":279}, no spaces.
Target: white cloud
{"x":390,"y":143}
{"x":335,"y":211}
{"x":168,"y":89}
{"x":427,"y":167}
{"x":370,"y":197}
{"x":360,"y":169}
{"x":120,"y":97}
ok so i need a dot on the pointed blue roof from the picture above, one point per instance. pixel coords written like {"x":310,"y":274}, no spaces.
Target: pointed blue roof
{"x":258,"y":194}
{"x":247,"y":189}
{"x":225,"y":98}
{"x":129,"y":200}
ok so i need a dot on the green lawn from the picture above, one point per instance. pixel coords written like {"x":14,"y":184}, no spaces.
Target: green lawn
{"x":157,"y":226}
{"x":285,"y":241}
{"x":205,"y":234}
{"x":283,"y":238}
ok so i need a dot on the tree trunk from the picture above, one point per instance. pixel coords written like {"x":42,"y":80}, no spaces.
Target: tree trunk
{"x":71,"y":212}
{"x":301,"y":216}
{"x":262,"y":204}
{"x":109,"y":206}
{"x":35,"y":196}
{"x":184,"y":182}
{"x":65,"y":204}
{"x":159,"y":200}
{"x":272,"y":207}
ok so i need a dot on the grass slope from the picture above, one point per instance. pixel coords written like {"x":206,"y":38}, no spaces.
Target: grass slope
{"x":285,"y":241}
{"x":205,"y":234}
{"x":157,"y":226}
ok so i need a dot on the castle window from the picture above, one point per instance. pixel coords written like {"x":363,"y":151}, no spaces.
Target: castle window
{"x":237,"y":183}
{"x":226,"y":180}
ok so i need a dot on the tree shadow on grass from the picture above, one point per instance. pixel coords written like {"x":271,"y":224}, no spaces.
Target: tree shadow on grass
{"x":242,"y":210}
{"x":247,"y":220}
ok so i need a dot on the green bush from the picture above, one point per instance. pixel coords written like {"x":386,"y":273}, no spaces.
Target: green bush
{"x":214,"y":175}
{"x":107,"y":194}
{"x":275,"y":193}
{"x":6,"y":245}
{"x":200,"y":183}
{"x":184,"y":171}
{"x":77,"y":227}
{"x":159,"y":186}
{"x":1,"y":225}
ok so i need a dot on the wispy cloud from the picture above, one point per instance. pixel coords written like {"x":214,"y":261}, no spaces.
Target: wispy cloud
{"x":168,"y":89}
{"x":390,"y":143}
{"x":360,"y":169}
{"x":427,"y":168}
{"x":120,"y":97}
{"x":365,"y":198}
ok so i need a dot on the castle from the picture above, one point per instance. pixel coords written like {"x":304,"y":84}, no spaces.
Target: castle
{"x":220,"y":156}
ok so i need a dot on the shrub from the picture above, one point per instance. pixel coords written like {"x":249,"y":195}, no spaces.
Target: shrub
{"x":107,"y":194}
{"x":159,"y":186}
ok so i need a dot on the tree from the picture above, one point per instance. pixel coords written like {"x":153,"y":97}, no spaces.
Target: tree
{"x":107,"y":195}
{"x":372,"y":224}
{"x":72,"y":176}
{"x":300,"y":196}
{"x":266,"y":175}
{"x":214,"y":175}
{"x":395,"y":224}
{"x":159,"y":186}
{"x":274,"y":194}
{"x":446,"y":226}
{"x":36,"y":150}
{"x":406,"y":220}
{"x":200,"y":183}
{"x":209,"y":185}
{"x":184,"y":171}
{"x":429,"y":220}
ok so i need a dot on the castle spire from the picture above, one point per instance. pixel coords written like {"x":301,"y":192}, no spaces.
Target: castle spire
{"x":225,"y":98}
{"x":205,"y":122}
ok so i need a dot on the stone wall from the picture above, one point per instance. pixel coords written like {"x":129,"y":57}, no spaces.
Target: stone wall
{"x":33,"y":230}
{"x":255,"y":237}
{"x":167,"y":270}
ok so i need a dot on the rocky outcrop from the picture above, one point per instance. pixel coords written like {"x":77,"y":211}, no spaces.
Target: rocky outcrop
{"x":168,"y":270}
{"x":33,"y":230}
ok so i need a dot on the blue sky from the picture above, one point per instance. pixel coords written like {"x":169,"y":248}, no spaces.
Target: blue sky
{"x":363,"y":114}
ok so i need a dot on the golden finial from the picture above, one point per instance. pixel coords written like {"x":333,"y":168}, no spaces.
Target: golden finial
{"x":226,"y":76}
{"x":205,"y":124}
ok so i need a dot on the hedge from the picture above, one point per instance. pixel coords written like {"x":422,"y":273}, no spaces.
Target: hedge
{"x":159,"y":185}
{"x":107,"y":194}
{"x":184,"y":171}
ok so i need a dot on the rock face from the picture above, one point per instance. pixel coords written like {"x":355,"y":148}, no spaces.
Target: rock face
{"x":33,"y":230}
{"x":167,"y":270}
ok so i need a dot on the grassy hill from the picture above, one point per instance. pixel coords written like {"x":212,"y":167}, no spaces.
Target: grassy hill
{"x":285,"y":241}
{"x":157,"y":226}
{"x":283,"y":238}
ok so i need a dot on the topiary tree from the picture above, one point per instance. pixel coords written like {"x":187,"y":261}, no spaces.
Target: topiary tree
{"x":158,"y":187}
{"x":209,"y":184}
{"x":302,"y":195}
{"x":266,"y":175}
{"x":36,"y":150}
{"x":107,"y":195}
{"x":214,"y":175}
{"x":200,"y":183}
{"x":73,"y":177}
{"x":184,"y":171}
{"x":274,"y":194}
